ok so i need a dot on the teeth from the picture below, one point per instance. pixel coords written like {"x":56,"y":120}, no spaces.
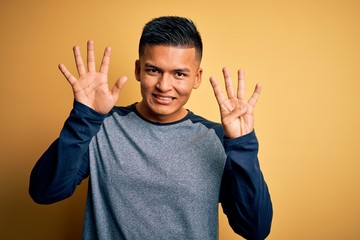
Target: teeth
{"x":164,"y":98}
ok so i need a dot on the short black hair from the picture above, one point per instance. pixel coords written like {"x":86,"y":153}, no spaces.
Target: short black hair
{"x":171,"y":31}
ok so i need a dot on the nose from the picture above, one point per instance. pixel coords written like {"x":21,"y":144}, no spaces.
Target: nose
{"x":164,"y":83}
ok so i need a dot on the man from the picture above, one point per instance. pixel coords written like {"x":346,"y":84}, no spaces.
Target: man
{"x":156,"y":170}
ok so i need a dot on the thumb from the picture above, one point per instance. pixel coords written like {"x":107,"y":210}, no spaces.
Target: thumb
{"x":234,"y":115}
{"x":118,"y":86}
{"x":238,"y":112}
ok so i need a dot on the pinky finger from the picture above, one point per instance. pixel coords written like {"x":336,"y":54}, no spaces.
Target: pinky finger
{"x":69,"y":77}
{"x":253,"y":99}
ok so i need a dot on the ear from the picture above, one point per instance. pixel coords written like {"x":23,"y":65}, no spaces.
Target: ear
{"x":137,"y":70}
{"x":198,"y":78}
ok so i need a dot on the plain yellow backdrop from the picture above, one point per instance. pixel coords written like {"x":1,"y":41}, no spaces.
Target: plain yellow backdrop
{"x":305,"y":53}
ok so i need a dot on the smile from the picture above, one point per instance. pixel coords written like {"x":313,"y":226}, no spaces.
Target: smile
{"x":163,"y":97}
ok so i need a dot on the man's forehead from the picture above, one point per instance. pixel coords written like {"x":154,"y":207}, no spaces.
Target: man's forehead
{"x":169,"y":54}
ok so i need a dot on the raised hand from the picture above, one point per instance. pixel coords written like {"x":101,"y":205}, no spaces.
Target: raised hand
{"x":91,"y":87}
{"x":237,"y":114}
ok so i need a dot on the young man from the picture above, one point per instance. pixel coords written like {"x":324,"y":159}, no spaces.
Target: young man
{"x":157,"y":170}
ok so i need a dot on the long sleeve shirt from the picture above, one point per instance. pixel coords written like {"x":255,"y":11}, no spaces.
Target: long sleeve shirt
{"x":155,"y":181}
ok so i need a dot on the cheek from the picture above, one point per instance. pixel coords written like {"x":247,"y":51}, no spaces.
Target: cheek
{"x":145,"y":89}
{"x":184,"y":88}
{"x":147,"y":83}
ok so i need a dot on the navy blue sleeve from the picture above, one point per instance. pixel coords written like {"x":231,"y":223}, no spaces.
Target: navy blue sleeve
{"x":244,"y":195}
{"x":64,"y":164}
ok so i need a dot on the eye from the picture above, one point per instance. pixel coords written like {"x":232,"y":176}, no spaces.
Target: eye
{"x":152,"y":71}
{"x":180,"y":74}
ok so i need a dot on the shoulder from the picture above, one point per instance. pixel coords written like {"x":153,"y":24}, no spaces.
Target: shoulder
{"x":217,"y":127}
{"x":122,"y":110}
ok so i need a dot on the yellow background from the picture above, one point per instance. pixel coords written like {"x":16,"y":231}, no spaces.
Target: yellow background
{"x":305,"y":53}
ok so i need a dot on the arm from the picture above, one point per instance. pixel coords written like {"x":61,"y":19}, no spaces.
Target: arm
{"x":63,"y":166}
{"x":65,"y":163}
{"x":244,"y":195}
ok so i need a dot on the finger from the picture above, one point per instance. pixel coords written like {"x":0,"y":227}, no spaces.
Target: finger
{"x":79,"y":61}
{"x":91,"y":56}
{"x":217,"y":91}
{"x":234,"y":115}
{"x":105,"y":63}
{"x":118,"y":86}
{"x":71,"y":79}
{"x":228,"y":83}
{"x":255,"y":96}
{"x":239,"y":112}
{"x":241,"y":85}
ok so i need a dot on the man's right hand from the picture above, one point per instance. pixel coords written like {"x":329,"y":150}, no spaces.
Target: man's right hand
{"x":91,"y":88}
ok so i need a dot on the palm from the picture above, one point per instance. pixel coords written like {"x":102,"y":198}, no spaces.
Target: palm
{"x":237,"y":114}
{"x":92,"y":90}
{"x":91,"y":87}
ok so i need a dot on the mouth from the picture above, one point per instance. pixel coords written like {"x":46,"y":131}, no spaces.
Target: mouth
{"x":163,"y":99}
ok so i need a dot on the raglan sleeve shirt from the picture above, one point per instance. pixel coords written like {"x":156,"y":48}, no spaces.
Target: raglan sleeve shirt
{"x":243,"y":194}
{"x":65,"y":163}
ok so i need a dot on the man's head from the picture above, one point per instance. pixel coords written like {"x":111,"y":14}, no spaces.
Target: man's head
{"x":168,"y":68}
{"x":171,"y":31}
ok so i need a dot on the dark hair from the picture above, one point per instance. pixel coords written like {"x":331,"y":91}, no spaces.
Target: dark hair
{"x":171,"y":31}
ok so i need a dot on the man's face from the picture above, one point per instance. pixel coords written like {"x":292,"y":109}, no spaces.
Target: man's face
{"x":167,"y":76}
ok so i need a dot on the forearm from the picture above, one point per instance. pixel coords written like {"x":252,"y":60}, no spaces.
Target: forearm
{"x":65,"y":163}
{"x":244,"y":194}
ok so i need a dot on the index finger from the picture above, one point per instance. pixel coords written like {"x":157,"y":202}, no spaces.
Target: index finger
{"x":104,"y":67}
{"x":217,"y":91}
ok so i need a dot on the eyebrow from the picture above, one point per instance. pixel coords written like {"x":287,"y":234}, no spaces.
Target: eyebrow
{"x":185,"y":69}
